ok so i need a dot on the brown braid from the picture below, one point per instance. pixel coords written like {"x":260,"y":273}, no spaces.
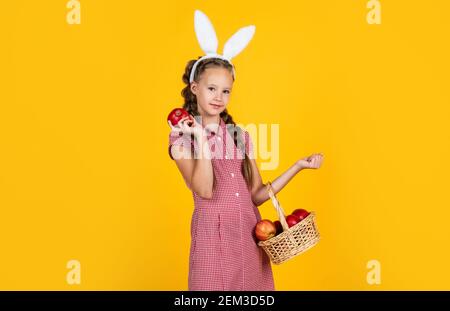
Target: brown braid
{"x":190,"y":104}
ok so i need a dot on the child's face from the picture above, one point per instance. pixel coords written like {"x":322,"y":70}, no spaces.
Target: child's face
{"x":213,"y":88}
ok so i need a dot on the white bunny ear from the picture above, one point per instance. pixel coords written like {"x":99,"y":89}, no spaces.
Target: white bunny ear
{"x":206,"y":35}
{"x":238,"y":41}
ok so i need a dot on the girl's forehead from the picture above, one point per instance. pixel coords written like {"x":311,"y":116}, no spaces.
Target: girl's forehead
{"x":217,"y":76}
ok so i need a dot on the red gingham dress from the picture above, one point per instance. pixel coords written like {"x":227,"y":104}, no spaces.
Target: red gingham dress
{"x":223,"y":251}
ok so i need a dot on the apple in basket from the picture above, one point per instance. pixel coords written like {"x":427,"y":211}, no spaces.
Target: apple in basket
{"x":300,"y":213}
{"x":265,"y":229}
{"x":177,"y":114}
{"x":292,"y":220}
{"x":278,"y":226}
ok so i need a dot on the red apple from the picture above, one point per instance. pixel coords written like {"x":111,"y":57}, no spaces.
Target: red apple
{"x":300,"y":213}
{"x":292,"y":220}
{"x":265,"y":229}
{"x":177,"y":114}
{"x":278,"y":226}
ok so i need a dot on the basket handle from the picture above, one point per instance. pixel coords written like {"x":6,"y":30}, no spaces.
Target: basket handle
{"x":276,"y":203}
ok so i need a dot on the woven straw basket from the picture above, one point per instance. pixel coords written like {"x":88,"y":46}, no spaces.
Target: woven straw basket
{"x":292,"y":241}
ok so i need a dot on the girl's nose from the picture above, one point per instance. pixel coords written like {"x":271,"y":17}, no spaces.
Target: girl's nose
{"x":218,"y":97}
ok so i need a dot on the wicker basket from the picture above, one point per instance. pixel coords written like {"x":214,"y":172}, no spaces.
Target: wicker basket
{"x":292,"y":241}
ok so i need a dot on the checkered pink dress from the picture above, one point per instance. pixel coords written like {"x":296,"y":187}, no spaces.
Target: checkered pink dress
{"x":223,"y":251}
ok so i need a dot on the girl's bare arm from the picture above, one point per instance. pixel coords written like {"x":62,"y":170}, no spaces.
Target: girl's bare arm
{"x":259,"y":191}
{"x":197,"y":171}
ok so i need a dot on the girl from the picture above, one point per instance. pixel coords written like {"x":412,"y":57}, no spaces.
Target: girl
{"x":226,"y":189}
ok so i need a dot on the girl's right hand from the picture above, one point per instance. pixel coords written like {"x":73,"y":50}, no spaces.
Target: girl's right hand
{"x":182,"y":126}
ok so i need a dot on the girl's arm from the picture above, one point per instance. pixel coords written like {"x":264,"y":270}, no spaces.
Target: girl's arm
{"x":197,"y":172}
{"x":259,"y":191}
{"x":203,"y":173}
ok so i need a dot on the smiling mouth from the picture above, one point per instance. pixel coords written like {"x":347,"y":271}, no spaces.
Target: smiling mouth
{"x":216,"y":106}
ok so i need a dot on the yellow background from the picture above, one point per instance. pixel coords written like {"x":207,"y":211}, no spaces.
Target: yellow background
{"x":84,"y":168}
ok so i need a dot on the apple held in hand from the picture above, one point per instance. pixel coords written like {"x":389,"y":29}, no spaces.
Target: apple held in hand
{"x":265,"y":229}
{"x":300,"y":213}
{"x":177,"y":114}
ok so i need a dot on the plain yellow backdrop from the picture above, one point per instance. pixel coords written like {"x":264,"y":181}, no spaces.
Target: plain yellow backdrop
{"x":84,"y":169}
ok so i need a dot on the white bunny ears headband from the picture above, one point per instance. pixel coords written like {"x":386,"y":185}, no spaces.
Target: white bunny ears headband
{"x":207,"y":39}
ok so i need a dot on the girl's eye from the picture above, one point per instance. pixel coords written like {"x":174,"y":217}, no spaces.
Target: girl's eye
{"x":212,"y":89}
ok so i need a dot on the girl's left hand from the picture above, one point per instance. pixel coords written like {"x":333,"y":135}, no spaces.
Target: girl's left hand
{"x":314,"y":161}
